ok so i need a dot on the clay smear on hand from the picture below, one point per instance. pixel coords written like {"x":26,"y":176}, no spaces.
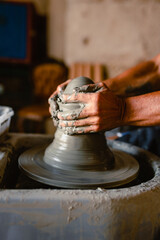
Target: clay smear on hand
{"x":74,"y":114}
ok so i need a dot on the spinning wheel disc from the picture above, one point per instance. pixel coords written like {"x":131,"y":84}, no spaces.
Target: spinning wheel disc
{"x":125,"y":170}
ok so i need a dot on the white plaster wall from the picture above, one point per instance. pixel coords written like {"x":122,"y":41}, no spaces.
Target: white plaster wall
{"x":56,"y":28}
{"x":116,"y":33}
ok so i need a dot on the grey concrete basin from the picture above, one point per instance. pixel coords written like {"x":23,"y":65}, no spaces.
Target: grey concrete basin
{"x":29,"y":210}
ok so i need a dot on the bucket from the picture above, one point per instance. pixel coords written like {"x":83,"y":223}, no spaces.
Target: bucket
{"x":5,"y":118}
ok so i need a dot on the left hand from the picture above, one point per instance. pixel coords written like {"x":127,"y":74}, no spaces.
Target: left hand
{"x":102,"y":110}
{"x":53,"y":101}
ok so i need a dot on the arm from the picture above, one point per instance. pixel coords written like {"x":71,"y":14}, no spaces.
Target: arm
{"x":143,"y":78}
{"x":142,"y":110}
{"x":103,"y":110}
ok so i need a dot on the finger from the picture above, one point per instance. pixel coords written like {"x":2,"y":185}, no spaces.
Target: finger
{"x":77,"y":97}
{"x":59,"y":89}
{"x":72,"y":115}
{"x":53,"y":96}
{"x":84,"y":97}
{"x":90,"y":88}
{"x":53,"y":103}
{"x":55,"y":121}
{"x":81,"y":113}
{"x":81,"y":130}
{"x":81,"y":122}
{"x":62,"y":86}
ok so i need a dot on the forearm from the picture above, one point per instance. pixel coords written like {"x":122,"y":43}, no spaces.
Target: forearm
{"x":143,"y":78}
{"x":142,"y":110}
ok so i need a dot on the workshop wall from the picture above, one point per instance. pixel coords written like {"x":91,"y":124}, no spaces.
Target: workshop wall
{"x":116,"y":33}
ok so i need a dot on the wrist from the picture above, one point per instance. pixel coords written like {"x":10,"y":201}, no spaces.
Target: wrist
{"x":133,"y":111}
{"x":122,"y":108}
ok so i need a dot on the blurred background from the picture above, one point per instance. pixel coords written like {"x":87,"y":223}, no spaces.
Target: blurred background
{"x":44,"y":42}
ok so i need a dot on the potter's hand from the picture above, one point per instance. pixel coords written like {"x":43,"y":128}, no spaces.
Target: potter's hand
{"x":53,"y":101}
{"x":140,"y":79}
{"x":101,"y":110}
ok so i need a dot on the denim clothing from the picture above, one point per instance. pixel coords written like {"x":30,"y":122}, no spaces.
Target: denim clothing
{"x":147,"y":138}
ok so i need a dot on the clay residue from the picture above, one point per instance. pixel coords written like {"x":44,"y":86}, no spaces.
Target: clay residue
{"x":91,"y":88}
{"x":70,"y":114}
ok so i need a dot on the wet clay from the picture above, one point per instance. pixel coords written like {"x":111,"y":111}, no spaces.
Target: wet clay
{"x":84,"y":151}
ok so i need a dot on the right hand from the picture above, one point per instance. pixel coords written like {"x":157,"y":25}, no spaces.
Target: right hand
{"x":100,"y":110}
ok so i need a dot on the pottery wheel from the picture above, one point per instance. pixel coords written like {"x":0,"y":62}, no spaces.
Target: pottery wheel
{"x":125,"y":170}
{"x":78,"y":160}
